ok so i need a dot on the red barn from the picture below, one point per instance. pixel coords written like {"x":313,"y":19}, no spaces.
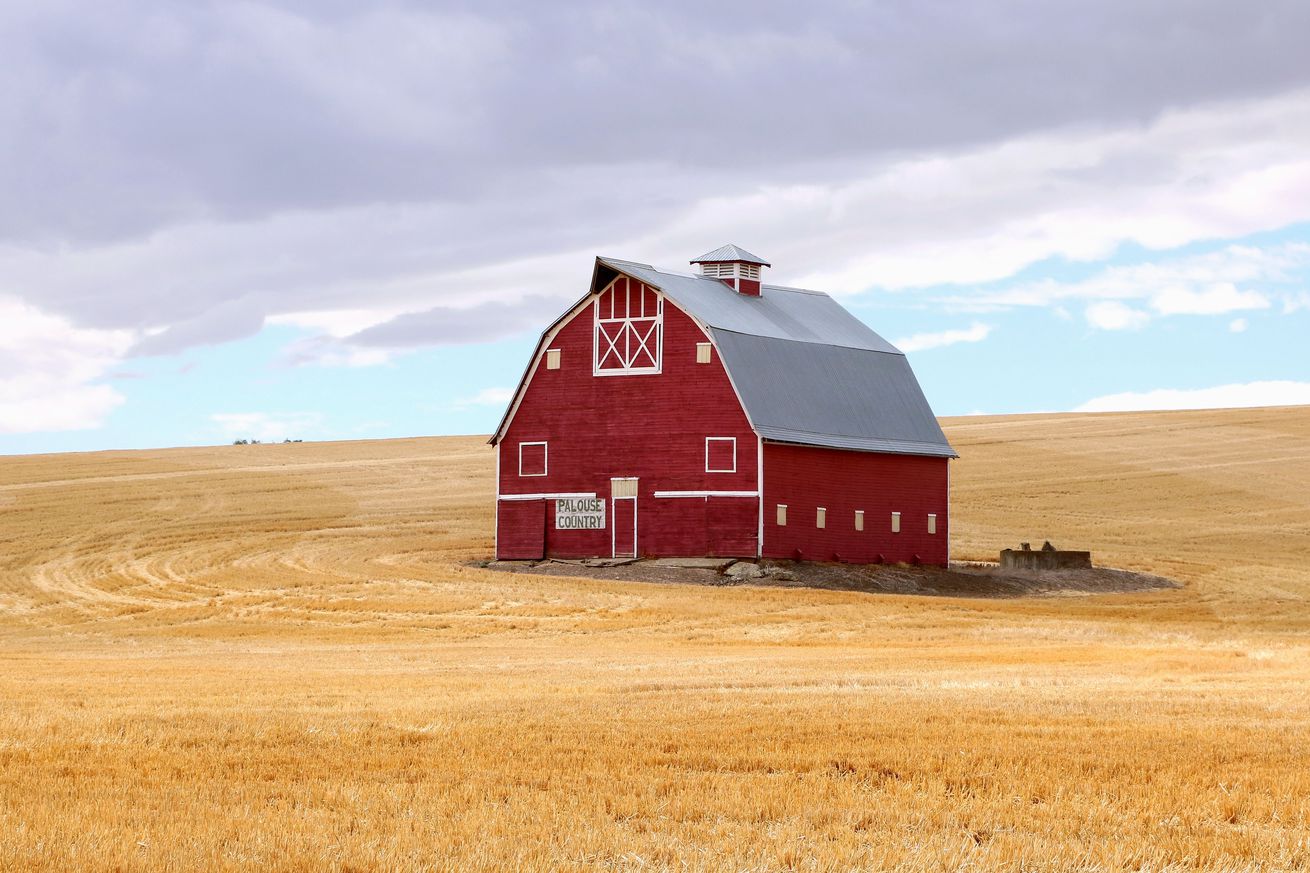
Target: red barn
{"x":675,"y":415}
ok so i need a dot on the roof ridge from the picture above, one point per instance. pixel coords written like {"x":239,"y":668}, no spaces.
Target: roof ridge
{"x":816,"y":342}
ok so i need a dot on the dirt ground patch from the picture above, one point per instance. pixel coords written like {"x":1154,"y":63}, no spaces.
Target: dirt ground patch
{"x":958,"y":580}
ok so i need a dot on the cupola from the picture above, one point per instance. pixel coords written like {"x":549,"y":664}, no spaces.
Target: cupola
{"x":735,"y":267}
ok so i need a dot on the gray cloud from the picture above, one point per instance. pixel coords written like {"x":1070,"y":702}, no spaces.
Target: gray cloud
{"x":190,"y":169}
{"x":137,"y":115}
{"x":230,"y":320}
{"x":443,"y":325}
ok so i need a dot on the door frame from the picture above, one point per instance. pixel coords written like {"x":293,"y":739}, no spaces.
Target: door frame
{"x":614,"y":516}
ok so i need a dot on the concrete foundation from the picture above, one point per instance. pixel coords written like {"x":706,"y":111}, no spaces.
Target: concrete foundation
{"x":1048,"y":557}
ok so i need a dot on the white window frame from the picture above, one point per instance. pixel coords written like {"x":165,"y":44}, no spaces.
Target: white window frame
{"x":821,"y":518}
{"x":896,"y":522}
{"x":627,"y":332}
{"x":781,"y":517}
{"x":932,"y":522}
{"x":859,"y":519}
{"x":732,"y":440}
{"x":552,"y":359}
{"x":704,"y":353}
{"x":545,"y":459}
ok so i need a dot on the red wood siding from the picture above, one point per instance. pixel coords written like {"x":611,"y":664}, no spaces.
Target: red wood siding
{"x":806,"y":478}
{"x":651,"y":426}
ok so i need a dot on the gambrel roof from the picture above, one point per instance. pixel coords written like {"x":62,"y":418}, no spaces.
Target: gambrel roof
{"x":807,"y":371}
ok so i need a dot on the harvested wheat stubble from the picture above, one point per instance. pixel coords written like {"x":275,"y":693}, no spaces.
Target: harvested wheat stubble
{"x":278,"y":657}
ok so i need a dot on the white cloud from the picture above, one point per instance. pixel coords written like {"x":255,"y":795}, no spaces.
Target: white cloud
{"x":922,"y":341}
{"x":1275,"y":393}
{"x":486,"y":397}
{"x":1191,"y":284}
{"x":1237,"y":325}
{"x":49,"y":371}
{"x":267,"y":427}
{"x":1215,"y":300}
{"x":1113,"y":315}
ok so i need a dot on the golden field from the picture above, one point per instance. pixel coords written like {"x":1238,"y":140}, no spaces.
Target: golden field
{"x":279,"y":657}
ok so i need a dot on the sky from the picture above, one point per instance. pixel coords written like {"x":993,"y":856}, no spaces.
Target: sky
{"x":331,"y":220}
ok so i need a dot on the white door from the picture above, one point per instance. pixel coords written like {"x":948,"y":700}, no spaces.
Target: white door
{"x":623,"y":517}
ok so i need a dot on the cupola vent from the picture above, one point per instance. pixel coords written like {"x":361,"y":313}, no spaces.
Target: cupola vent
{"x":735,"y":267}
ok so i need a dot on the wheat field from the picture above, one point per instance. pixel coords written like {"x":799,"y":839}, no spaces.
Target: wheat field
{"x":285,"y":657}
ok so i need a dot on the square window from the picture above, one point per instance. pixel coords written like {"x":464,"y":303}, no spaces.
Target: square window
{"x":720,"y":454}
{"x":859,"y":519}
{"x":896,"y":522}
{"x":932,"y":523}
{"x":782,"y":515}
{"x":532,"y":459}
{"x":821,"y":517}
{"x":552,"y":359}
{"x":702,"y":353}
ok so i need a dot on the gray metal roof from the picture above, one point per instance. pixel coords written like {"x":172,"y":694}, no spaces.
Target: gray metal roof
{"x":832,"y":396}
{"x":806,"y":369}
{"x":780,"y":313}
{"x":730,"y":253}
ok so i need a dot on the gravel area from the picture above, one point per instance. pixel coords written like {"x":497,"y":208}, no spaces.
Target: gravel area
{"x":959,"y":580}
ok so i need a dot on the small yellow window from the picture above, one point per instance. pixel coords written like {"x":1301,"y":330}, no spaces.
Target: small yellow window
{"x":821,"y":517}
{"x":932,"y":523}
{"x":552,"y":359}
{"x":859,"y":519}
{"x":782,"y":515}
{"x":896,"y":522}
{"x":702,"y":353}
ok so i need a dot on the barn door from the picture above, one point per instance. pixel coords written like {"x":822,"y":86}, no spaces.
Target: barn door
{"x":623,"y":517}
{"x":520,"y":530}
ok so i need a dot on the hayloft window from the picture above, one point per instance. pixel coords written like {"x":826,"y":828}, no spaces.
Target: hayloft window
{"x":720,"y":454}
{"x":896,"y":522}
{"x":702,"y":353}
{"x":629,"y":329}
{"x":552,"y":359}
{"x":932,"y":523}
{"x":782,"y":515}
{"x":532,"y":459}
{"x":859,"y":519}
{"x":821,"y":517}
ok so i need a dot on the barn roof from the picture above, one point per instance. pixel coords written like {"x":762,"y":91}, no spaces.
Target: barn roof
{"x":807,"y":370}
{"x":730,"y":253}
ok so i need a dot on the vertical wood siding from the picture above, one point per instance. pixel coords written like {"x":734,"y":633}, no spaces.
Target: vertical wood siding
{"x":651,"y":426}
{"x":805,"y":478}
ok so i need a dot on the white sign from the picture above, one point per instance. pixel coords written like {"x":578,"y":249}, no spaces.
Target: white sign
{"x":579,"y":513}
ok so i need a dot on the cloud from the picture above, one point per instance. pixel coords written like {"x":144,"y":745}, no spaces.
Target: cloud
{"x":49,"y":371}
{"x":1275,"y":393}
{"x":230,"y":320}
{"x":1112,"y":315}
{"x":445,"y":325}
{"x":486,"y":397}
{"x":448,"y":159}
{"x":922,"y":341}
{"x":1199,"y":284}
{"x":267,"y":427}
{"x":1215,"y":300}
{"x":1237,"y":325}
